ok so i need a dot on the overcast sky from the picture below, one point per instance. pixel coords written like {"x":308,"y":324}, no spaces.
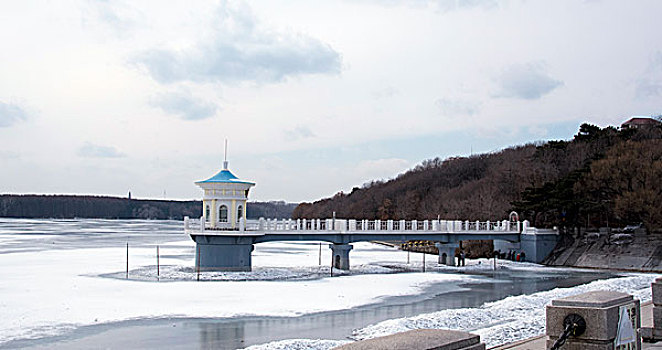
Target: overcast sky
{"x":315,"y":97}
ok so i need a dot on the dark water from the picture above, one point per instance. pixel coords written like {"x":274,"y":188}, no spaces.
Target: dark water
{"x":236,"y":333}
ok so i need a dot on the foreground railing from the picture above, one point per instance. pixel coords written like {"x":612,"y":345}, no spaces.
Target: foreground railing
{"x":351,"y":225}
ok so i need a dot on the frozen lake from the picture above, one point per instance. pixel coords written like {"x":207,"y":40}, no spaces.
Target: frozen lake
{"x":63,"y":285}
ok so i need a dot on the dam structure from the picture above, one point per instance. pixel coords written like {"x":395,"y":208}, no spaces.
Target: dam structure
{"x":225,"y":239}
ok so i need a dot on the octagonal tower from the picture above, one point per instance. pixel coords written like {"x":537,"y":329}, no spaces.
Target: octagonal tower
{"x":224,"y":199}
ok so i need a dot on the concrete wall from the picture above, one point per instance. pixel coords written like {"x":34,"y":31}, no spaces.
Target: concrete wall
{"x":537,"y":244}
{"x":641,"y":253}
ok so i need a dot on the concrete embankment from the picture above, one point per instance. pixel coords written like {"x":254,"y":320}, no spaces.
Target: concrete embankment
{"x":634,"y":252}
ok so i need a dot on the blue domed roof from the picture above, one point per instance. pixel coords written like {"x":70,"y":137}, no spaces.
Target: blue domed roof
{"x":225,"y":176}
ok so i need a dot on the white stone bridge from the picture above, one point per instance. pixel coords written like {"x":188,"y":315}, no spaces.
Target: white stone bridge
{"x":220,"y":247}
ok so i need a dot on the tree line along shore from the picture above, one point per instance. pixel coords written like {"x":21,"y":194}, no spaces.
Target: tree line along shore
{"x":100,"y":207}
{"x":603,"y":177}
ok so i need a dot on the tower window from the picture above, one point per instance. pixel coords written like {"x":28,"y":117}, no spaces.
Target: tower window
{"x":240,"y":212}
{"x":207,"y":213}
{"x":223,"y":214}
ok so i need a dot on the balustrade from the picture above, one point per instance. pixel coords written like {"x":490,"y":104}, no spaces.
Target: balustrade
{"x":343,"y":225}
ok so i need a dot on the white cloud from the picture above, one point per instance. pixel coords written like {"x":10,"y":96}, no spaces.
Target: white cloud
{"x":90,"y":150}
{"x":457,"y":107}
{"x":386,"y":92}
{"x":11,"y":114}
{"x":650,"y":83}
{"x":384,"y":168}
{"x":9,"y":155}
{"x":119,"y":16}
{"x":242,"y":49}
{"x":529,"y":81}
{"x":440,"y":5}
{"x":299,"y":132}
{"x":183,"y":104}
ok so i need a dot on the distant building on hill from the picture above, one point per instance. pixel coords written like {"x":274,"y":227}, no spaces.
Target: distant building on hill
{"x":640,"y":122}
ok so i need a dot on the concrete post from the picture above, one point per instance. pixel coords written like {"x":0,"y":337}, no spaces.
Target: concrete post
{"x":402,"y":225}
{"x":414,"y":225}
{"x":261,"y":224}
{"x":488,"y":225}
{"x":378,"y":225}
{"x":340,"y":253}
{"x":185,"y":223}
{"x":426,"y":226}
{"x":242,"y":225}
{"x":654,"y":333}
{"x":608,"y":316}
{"x":447,"y":253}
{"x":435,"y":225}
{"x":341,"y":225}
{"x":389,"y":225}
{"x":202,"y":224}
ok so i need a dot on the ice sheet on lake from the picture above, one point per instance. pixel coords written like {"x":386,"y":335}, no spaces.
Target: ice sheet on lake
{"x":57,"y":288}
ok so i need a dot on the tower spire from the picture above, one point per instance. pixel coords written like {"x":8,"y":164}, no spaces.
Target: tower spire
{"x":225,"y":158}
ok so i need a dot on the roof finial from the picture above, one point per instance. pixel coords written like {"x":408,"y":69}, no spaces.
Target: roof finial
{"x":225,"y":159}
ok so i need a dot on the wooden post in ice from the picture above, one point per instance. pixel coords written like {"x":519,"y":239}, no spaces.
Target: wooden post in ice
{"x":320,"y":256}
{"x":158,"y":268}
{"x":127,"y":260}
{"x":424,"y":262}
{"x":197,"y":266}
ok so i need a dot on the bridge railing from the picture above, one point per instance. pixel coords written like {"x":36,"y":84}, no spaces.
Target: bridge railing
{"x":193,"y":226}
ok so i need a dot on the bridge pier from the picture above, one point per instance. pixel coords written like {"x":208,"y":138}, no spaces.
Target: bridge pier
{"x":340,"y":254}
{"x":447,"y":253}
{"x":218,"y":253}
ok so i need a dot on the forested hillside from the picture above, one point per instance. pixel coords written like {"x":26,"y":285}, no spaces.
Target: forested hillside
{"x":602,"y":177}
{"x":67,"y":207}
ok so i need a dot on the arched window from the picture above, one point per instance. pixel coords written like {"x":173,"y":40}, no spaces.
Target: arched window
{"x":207,"y":214}
{"x":223,"y":214}
{"x":240,"y":212}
